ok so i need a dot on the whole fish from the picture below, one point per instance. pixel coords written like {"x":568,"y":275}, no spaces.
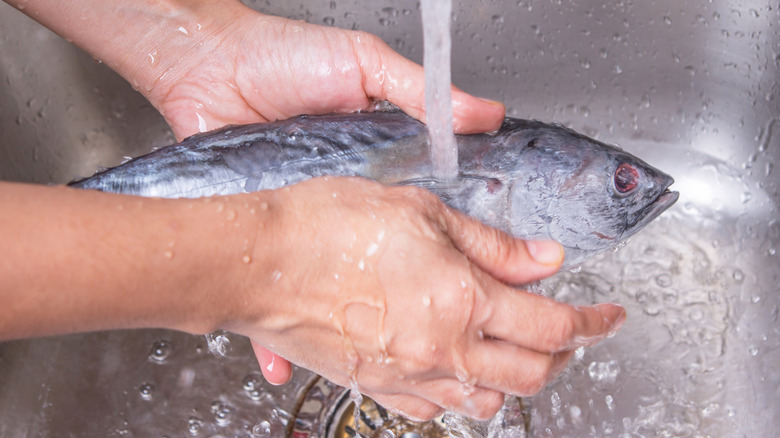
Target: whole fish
{"x":531,"y":179}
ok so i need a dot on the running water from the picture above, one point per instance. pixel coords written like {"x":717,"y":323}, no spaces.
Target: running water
{"x":438,"y":95}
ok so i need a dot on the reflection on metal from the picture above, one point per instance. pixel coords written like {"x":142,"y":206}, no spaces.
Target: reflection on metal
{"x":326,"y":410}
{"x":690,"y":86}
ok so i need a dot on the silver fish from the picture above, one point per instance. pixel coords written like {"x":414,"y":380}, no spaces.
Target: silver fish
{"x":531,"y":179}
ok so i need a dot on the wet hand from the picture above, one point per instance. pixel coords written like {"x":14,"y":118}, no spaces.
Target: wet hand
{"x":244,"y":67}
{"x":386,"y":289}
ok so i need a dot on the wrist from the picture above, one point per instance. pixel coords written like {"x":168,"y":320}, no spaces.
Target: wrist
{"x":231,"y":250}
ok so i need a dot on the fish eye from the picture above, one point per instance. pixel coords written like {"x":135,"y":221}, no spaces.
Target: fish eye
{"x":626,"y":178}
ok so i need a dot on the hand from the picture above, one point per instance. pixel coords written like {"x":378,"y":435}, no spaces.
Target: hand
{"x":259,"y":68}
{"x":387,"y":289}
{"x":247,"y":67}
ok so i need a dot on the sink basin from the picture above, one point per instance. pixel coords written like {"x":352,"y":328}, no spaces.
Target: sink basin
{"x":691,"y":87}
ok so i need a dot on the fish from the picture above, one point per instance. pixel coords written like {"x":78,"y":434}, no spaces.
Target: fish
{"x":531,"y":179}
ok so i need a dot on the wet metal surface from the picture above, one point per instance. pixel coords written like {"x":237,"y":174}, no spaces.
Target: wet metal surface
{"x":691,"y":87}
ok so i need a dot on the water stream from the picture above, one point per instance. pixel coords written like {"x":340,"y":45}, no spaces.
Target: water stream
{"x":438,"y":95}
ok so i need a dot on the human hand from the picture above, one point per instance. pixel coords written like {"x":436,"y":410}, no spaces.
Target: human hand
{"x":245,"y":67}
{"x":387,"y":289}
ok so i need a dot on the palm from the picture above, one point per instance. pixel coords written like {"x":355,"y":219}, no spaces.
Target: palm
{"x":284,"y":69}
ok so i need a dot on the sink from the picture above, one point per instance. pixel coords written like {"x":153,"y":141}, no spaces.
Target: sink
{"x":691,"y":87}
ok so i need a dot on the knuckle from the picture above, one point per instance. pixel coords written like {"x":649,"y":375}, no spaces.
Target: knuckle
{"x":536,"y":377}
{"x":557,"y":334}
{"x":487,"y":408}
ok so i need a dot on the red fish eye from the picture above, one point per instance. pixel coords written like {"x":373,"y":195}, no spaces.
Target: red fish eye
{"x":626,"y":178}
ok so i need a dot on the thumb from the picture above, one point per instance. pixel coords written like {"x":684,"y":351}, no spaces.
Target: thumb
{"x":511,"y":260}
{"x":389,"y":76}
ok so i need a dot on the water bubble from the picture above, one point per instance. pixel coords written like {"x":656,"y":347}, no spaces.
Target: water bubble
{"x":160,"y":351}
{"x":223,"y":413}
{"x":604,"y":371}
{"x":194,"y":426}
{"x":663,"y":280}
{"x":262,"y":428}
{"x":555,"y":401}
{"x":146,"y":391}
{"x":610,"y":402}
{"x":252,"y":385}
{"x":218,"y":344}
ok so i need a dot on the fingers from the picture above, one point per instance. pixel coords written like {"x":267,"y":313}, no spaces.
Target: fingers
{"x":276,"y":370}
{"x":435,"y":397}
{"x":511,"y":260}
{"x":510,"y":369}
{"x":409,"y":406}
{"x":389,"y":76}
{"x":544,"y":325}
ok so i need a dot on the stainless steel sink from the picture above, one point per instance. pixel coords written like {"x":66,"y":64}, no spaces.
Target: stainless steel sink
{"x":690,"y":86}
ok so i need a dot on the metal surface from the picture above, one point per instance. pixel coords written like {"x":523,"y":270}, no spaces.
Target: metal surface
{"x":690,"y":86}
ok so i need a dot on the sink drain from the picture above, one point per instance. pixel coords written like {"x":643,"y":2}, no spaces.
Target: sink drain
{"x":326,"y":411}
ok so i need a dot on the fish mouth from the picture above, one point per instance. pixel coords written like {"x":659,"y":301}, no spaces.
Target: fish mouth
{"x":665,"y":199}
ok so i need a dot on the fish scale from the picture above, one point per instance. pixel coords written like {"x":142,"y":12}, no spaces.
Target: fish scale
{"x":531,"y":179}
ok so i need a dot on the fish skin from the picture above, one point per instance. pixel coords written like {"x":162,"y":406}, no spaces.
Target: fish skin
{"x":531,"y":179}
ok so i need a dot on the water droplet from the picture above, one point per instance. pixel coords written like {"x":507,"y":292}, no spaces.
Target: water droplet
{"x":603,"y":371}
{"x":738,"y":275}
{"x":160,"y":352}
{"x":252,"y":385}
{"x":426,"y":300}
{"x":264,"y":206}
{"x":262,"y":428}
{"x":276,"y":275}
{"x":585,"y":63}
{"x":152,"y":57}
{"x":555,"y":401}
{"x":668,"y":20}
{"x":218,"y":344}
{"x":194,"y":426}
{"x":610,"y":402}
{"x":663,"y":280}
{"x":753,"y":350}
{"x":223,"y":413}
{"x":246,"y":259}
{"x":329,"y":21}
{"x":146,"y":391}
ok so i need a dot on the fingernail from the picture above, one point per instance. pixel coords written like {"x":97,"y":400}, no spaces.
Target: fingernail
{"x":490,"y":101}
{"x":545,"y":252}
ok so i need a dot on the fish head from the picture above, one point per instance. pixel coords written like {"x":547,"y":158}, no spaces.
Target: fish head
{"x":589,"y":196}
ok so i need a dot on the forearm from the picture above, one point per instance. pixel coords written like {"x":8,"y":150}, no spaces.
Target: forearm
{"x":144,"y":41}
{"x":79,"y":261}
